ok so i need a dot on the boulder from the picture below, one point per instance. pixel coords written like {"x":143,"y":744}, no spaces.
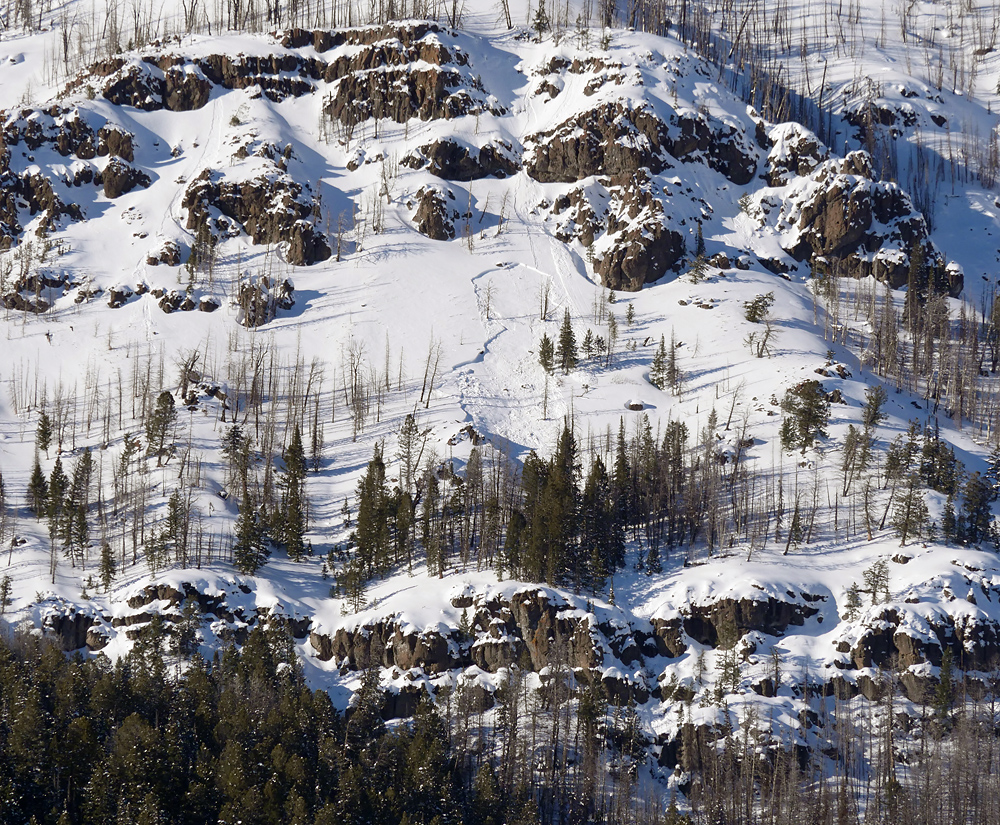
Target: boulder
{"x":433,"y":216}
{"x":120,"y":178}
{"x":453,"y":160}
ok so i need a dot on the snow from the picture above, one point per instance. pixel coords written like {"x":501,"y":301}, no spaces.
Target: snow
{"x":402,"y":295}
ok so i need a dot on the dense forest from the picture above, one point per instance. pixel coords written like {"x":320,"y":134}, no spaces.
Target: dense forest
{"x":162,"y":736}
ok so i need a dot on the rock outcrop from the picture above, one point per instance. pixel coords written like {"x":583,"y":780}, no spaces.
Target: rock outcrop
{"x":841,"y":220}
{"x":260,"y":298}
{"x":119,"y":178}
{"x":451,"y":159}
{"x":434,"y":216}
{"x":639,"y":247}
{"x":612,"y":139}
{"x":270,"y":206}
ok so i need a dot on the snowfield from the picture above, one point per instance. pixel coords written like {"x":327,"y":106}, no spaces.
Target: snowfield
{"x":449,"y":330}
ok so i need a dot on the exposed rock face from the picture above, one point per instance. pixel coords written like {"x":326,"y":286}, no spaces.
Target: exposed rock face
{"x":844,"y":221}
{"x":69,"y":629}
{"x":795,"y":152}
{"x":641,"y":255}
{"x":612,"y":139}
{"x":271,"y":207}
{"x":259,"y":300}
{"x":434,"y":218}
{"x":167,"y":253}
{"x":771,"y":616}
{"x":452,"y":160}
{"x":118,"y":296}
{"x":639,"y":247}
{"x":115,"y":141}
{"x":119,"y":178}
{"x":616,"y":140}
{"x":401,"y":94}
{"x":724,"y":148}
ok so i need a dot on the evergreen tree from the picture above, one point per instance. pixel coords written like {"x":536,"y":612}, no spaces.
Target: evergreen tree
{"x":158,"y":425}
{"x":852,"y":608}
{"x":236,"y":449}
{"x":560,"y":508}
{"x":43,"y":433}
{"x":431,"y":527}
{"x":566,"y":355}
{"x":910,"y":516}
{"x":872,"y":414}
{"x":672,"y":372}
{"x":602,"y":538}
{"x":372,"y":528}
{"x":587,"y":345}
{"x":658,"y":370}
{"x":916,"y":286}
{"x":249,"y":547}
{"x":58,"y":488}
{"x":38,"y":490}
{"x":292,"y":525}
{"x":977,"y":509}
{"x":949,"y":522}
{"x":807,"y":411}
{"x":992,"y":476}
{"x":412,"y":441}
{"x":106,"y":570}
{"x":6,"y":588}
{"x":546,"y":353}
{"x":876,"y":580}
{"x":540,"y":22}
{"x":944,"y":691}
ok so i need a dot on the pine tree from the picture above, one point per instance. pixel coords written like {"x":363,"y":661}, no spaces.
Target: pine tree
{"x":249,"y":547}
{"x":372,"y":526}
{"x":852,"y":608}
{"x":872,"y":414}
{"x":236,"y":448}
{"x":944,"y":692}
{"x":807,"y":412}
{"x":546,"y":353}
{"x":566,"y":355}
{"x":107,"y":568}
{"x":58,"y":487}
{"x":876,"y":580}
{"x":949,"y":522}
{"x":658,"y":369}
{"x":43,"y":434}
{"x":977,"y":509}
{"x":540,"y":22}
{"x":291,"y":527}
{"x":6,"y":588}
{"x":910,"y":516}
{"x":587,"y":345}
{"x":158,"y":425}
{"x":916,"y":286}
{"x":672,"y":371}
{"x":38,"y":490}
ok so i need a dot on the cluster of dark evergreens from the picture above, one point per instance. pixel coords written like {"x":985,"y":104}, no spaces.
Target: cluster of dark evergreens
{"x":547,"y":521}
{"x":565,"y":520}
{"x":241,"y":740}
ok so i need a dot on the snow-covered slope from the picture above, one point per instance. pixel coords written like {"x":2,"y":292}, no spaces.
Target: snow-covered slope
{"x":386,"y":220}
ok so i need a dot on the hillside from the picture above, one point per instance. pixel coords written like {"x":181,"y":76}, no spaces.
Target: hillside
{"x":275,"y":299}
